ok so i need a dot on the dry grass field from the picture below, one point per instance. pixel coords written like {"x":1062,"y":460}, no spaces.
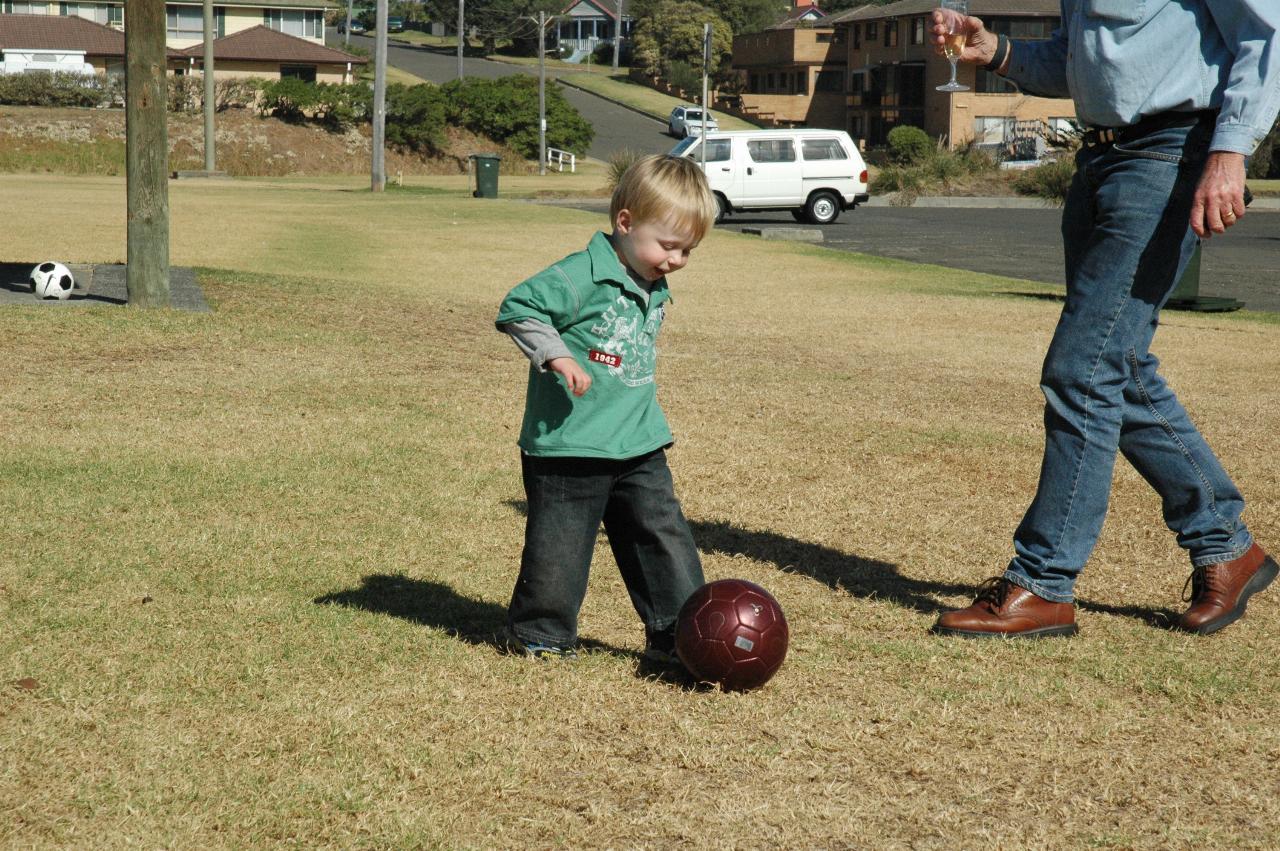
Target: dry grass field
{"x":252,"y":561}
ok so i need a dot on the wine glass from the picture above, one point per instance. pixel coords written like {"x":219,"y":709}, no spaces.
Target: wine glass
{"x":956,"y":37}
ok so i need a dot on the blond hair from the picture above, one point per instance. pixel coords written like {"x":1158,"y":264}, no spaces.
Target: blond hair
{"x":667,"y":189}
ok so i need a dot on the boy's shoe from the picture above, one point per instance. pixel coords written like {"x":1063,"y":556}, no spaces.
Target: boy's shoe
{"x":1220,"y":592}
{"x":536,"y":650}
{"x":660,"y":648}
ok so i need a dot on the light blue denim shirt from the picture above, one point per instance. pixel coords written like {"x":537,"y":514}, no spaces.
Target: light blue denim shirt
{"x":1122,"y":60}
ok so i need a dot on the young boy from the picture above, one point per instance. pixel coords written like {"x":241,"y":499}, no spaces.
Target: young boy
{"x":593,"y":439}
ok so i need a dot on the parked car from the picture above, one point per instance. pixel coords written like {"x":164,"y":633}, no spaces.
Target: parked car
{"x":686,"y":121}
{"x":395,"y":24}
{"x":356,"y":26}
{"x":815,"y":174}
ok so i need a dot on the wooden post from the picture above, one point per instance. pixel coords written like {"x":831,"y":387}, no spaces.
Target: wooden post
{"x":209,"y":146}
{"x":617,"y":38}
{"x":379,"y":176}
{"x":146,"y":155}
{"x":542,"y":93}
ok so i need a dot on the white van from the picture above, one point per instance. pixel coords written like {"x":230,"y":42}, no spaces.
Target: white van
{"x":813,"y":173}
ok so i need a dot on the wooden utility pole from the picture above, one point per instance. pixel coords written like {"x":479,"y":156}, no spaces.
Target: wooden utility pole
{"x":542,"y":93}
{"x":146,"y":155}
{"x":209,"y":156}
{"x":462,"y":27}
{"x":379,"y":182}
{"x":346,"y":34}
{"x":617,"y":38}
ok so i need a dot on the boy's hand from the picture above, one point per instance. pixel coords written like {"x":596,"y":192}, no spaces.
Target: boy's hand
{"x":574,"y":376}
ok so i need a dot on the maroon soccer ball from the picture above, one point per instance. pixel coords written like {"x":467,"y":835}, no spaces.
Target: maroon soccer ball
{"x":732,"y":632}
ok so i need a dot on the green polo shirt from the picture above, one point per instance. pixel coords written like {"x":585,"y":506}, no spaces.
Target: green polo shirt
{"x":611,"y":329}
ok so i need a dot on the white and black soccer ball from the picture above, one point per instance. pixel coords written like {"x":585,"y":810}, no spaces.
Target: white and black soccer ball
{"x":52,"y":280}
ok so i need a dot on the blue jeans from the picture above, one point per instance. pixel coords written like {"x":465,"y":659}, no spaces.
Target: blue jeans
{"x":568,"y":500}
{"x":1127,"y":241}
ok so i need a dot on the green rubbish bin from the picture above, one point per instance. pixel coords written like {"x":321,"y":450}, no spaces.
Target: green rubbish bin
{"x":1186,"y":295}
{"x":485,"y":167}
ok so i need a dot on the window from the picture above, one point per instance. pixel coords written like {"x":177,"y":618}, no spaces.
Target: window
{"x":917,"y":31}
{"x":771,"y":151}
{"x":184,"y":22}
{"x":717,"y":150}
{"x":890,"y":33}
{"x":306,"y":73}
{"x":873,"y":31}
{"x":823,"y":149}
{"x":824,"y":38}
{"x":991,"y":129}
{"x":1025,"y":28}
{"x":18,"y":7}
{"x":802,"y":82}
{"x":301,"y":24}
{"x":857,"y":36}
{"x":991,"y":83}
{"x":829,"y":81}
{"x":115,"y":16}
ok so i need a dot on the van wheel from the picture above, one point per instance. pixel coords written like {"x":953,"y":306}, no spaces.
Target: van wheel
{"x":722,"y":208}
{"x":823,"y":208}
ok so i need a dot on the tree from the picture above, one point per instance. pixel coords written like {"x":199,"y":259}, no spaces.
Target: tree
{"x":495,"y":20}
{"x":672,"y":32}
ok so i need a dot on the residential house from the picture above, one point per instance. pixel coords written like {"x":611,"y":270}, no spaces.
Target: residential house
{"x":50,"y":43}
{"x":185,"y":18}
{"x":267,"y":53}
{"x":586,"y":24}
{"x":894,"y":72}
{"x":793,"y":72}
{"x":76,"y":40}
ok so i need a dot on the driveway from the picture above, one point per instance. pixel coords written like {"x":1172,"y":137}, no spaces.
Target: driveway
{"x":616,"y":127}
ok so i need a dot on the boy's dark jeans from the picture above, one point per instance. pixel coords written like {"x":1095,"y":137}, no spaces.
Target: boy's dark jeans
{"x":651,"y":541}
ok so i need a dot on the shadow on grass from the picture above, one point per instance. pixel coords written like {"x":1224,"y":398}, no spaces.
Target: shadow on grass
{"x":861,"y":577}
{"x":436,"y":605}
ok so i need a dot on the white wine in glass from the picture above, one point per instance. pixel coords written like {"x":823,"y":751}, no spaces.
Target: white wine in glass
{"x":955,"y":41}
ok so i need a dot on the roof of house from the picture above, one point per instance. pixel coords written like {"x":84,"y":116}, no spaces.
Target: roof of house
{"x":847,"y":14}
{"x":799,"y":16}
{"x":269,"y":4}
{"x":262,"y":44}
{"x":602,"y":5}
{"x":1024,"y":8}
{"x":59,"y":32}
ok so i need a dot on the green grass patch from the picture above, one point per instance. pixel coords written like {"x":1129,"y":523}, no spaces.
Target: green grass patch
{"x":256,"y":559}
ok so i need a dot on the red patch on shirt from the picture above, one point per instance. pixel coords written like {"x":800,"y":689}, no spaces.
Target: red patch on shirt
{"x":606,"y":358}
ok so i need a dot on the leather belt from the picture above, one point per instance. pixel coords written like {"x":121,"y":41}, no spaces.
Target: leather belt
{"x":1094,"y":136}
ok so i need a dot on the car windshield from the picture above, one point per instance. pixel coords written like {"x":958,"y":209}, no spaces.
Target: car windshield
{"x":693,"y":115}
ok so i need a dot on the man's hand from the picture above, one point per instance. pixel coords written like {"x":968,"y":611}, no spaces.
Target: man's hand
{"x":979,"y":45}
{"x":1219,"y":200}
{"x":574,"y":376}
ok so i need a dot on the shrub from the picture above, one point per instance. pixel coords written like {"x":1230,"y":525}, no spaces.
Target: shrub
{"x":682,"y":75}
{"x":339,"y":106}
{"x":45,"y":88}
{"x":619,"y":162}
{"x":909,"y":145}
{"x":415,"y":117}
{"x":288,"y":99}
{"x":507,"y":109}
{"x":1050,"y":180}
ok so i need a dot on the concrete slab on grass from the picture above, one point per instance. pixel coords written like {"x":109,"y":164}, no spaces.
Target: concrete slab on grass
{"x":99,"y":284}
{"x":788,"y":234}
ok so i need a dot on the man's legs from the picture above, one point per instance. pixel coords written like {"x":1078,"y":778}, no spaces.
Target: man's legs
{"x":1126,"y":241}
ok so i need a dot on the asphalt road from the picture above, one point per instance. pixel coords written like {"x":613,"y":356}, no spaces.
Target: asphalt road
{"x":616,"y":127}
{"x":1243,"y":264}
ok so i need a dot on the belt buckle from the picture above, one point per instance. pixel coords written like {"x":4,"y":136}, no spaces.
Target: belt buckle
{"x":1095,"y":136}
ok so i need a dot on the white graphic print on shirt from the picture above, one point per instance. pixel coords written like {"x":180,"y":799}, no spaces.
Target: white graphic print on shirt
{"x":621,"y":334}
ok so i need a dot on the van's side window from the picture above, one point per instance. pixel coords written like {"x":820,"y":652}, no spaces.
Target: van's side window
{"x":717,"y":151}
{"x":822,"y":149}
{"x":772,"y":151}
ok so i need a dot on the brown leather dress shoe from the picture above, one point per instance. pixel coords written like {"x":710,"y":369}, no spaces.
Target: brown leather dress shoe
{"x":1220,"y":592}
{"x":1005,"y":609}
